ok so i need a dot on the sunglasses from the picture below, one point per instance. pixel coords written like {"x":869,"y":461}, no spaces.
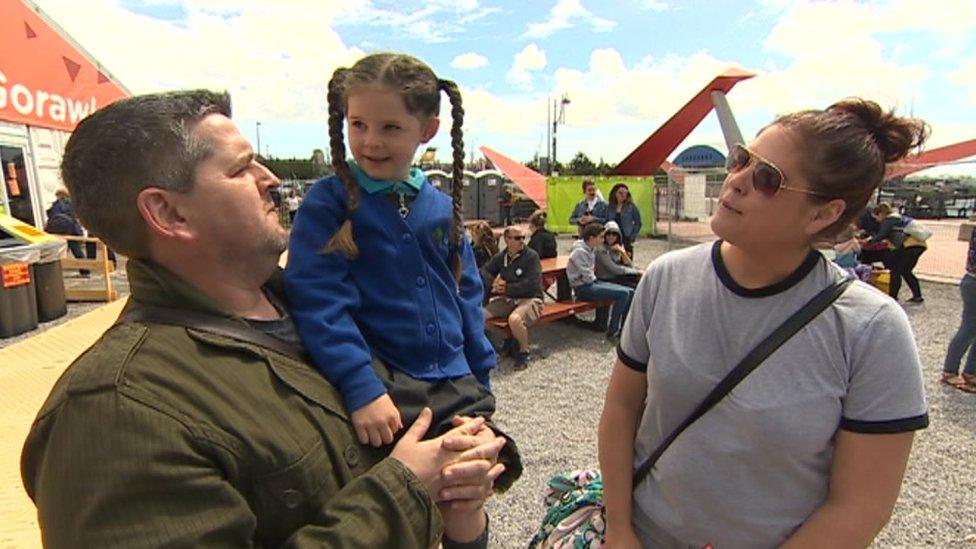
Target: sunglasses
{"x":767,"y":179}
{"x":519,"y":237}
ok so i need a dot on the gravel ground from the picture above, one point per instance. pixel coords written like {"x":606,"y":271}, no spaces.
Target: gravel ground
{"x":552,"y":409}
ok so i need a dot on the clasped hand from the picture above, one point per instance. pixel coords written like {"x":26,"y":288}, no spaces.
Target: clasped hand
{"x":458,"y":468}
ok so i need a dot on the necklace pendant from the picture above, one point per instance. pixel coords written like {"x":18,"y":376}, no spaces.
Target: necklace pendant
{"x":403,"y":209}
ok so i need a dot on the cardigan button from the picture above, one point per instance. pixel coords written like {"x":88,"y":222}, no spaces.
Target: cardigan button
{"x":407,"y":237}
{"x":421,"y":282}
{"x":431,"y":328}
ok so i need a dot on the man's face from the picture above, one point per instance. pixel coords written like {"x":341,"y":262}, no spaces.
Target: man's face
{"x":595,"y":241}
{"x":590,"y":192}
{"x":230,"y":206}
{"x":514,"y":240}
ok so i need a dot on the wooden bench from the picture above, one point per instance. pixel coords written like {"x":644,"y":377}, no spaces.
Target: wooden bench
{"x":551,"y":311}
{"x":100,"y":266}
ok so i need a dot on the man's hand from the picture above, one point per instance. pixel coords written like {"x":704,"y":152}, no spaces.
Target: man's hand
{"x":498,"y":286}
{"x":585,"y":219}
{"x":427,"y":459}
{"x":470,"y":480}
{"x":376,"y":422}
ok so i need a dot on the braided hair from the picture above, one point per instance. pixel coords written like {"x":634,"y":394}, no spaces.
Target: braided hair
{"x":420,"y":89}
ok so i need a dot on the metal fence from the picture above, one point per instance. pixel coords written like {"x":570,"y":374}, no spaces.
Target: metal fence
{"x":687,"y":199}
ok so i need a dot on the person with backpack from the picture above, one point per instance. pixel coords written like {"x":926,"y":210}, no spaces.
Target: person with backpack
{"x":905,"y":249}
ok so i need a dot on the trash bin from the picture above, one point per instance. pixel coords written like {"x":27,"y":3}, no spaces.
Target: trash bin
{"x":49,"y":281}
{"x":18,"y":301}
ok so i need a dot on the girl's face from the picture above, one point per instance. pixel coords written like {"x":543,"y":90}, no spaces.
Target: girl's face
{"x":622,"y":194}
{"x":383,"y":135}
{"x":788,"y":219}
{"x":610,"y":238}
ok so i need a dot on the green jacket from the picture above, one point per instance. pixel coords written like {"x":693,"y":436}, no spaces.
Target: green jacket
{"x":164,"y":435}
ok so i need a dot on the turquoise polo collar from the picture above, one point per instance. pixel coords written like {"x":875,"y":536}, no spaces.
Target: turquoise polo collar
{"x":412,"y":184}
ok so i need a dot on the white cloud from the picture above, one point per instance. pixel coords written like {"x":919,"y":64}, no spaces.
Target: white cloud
{"x":531,"y":58}
{"x":561,"y":16}
{"x":434,"y":21}
{"x":220,"y":45}
{"x":655,"y":5}
{"x":470,"y":60}
{"x":965,"y":76}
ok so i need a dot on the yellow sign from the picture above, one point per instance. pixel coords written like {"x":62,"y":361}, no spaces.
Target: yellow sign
{"x":24,"y":231}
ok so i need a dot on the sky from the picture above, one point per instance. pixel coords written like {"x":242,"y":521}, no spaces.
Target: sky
{"x":625,"y":65}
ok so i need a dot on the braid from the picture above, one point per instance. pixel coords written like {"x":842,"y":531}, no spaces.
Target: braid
{"x":457,"y":144}
{"x":342,"y":240}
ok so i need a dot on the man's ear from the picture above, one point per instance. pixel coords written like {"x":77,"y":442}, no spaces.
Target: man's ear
{"x":160,"y":209}
{"x":430,"y":129}
{"x":824,"y":215}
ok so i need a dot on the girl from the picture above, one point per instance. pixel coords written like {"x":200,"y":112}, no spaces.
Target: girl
{"x":624,"y":212}
{"x":382,"y":285}
{"x":809,"y":450}
{"x":483,"y":242}
{"x":542,"y":240}
{"x":613,"y":264}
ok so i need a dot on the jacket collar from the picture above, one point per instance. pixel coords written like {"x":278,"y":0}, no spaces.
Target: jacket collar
{"x":153,"y":284}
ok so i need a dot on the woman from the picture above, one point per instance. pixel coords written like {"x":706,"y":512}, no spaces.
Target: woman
{"x":809,"y":449}
{"x":905,"y":251}
{"x":613,"y":263}
{"x":624,"y":212}
{"x":542,"y":241}
{"x":483,"y":242}
{"x":965,"y":338}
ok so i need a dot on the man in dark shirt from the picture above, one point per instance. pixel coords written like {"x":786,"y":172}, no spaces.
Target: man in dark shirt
{"x":515,"y":277}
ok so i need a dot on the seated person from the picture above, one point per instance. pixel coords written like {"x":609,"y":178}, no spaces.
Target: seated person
{"x":542,"y":240}
{"x":515,"y":276}
{"x":613,"y":263}
{"x":483,"y":242}
{"x":581,"y":271}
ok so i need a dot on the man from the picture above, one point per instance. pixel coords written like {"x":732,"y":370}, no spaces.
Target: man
{"x":592,"y":209}
{"x":180,"y":431}
{"x":515,"y":276}
{"x":506,"y":199}
{"x":581,"y":271}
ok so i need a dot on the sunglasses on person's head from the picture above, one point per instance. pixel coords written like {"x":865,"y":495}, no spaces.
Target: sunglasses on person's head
{"x":767,"y":179}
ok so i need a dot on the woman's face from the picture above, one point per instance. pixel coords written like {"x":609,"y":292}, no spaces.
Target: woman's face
{"x":622,"y":194}
{"x":610,"y":238}
{"x":788,"y":219}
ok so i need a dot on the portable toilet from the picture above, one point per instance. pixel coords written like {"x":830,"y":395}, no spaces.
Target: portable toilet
{"x":490,"y":184}
{"x":469,"y":196}
{"x":440,"y":179}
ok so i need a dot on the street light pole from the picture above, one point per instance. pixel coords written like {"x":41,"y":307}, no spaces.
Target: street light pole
{"x":558,"y":117}
{"x":257,"y":130}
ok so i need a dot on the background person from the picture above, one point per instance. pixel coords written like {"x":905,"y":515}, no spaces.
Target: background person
{"x":484,"y":243}
{"x":168,"y":434}
{"x":811,"y":448}
{"x":515,"y":278}
{"x":581,"y":271}
{"x":613,"y":264}
{"x":625,"y":214}
{"x":589,"y":210}
{"x":905,"y":251}
{"x":543,"y":241}
{"x":965,"y":338}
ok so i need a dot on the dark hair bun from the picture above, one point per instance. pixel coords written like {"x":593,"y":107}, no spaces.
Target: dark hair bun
{"x":895,"y":136}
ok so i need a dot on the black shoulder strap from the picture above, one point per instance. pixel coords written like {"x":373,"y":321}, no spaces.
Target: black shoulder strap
{"x":223,"y":326}
{"x":747,"y":365}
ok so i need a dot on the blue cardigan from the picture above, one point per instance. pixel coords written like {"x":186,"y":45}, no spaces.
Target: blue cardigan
{"x":397,"y":299}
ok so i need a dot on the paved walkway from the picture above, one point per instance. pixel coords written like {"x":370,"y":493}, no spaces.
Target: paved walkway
{"x":28,"y":369}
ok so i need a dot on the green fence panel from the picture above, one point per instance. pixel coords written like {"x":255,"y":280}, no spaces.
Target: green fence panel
{"x":563,"y":192}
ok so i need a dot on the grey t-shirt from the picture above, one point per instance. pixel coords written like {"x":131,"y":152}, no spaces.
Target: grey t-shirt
{"x":750,"y":471}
